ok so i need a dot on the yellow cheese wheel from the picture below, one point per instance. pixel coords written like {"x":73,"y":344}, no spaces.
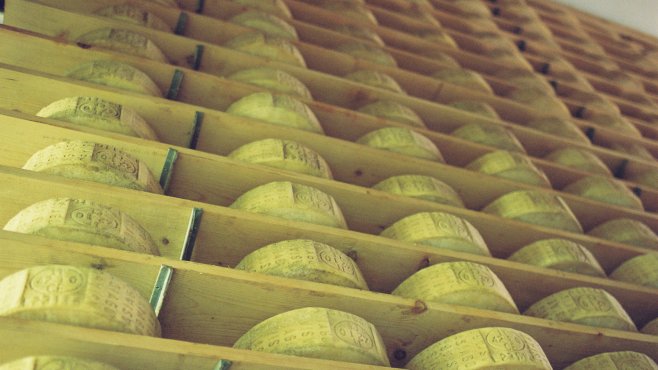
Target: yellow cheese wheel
{"x":535,"y":207}
{"x":393,"y":111}
{"x":421,"y":187}
{"x":490,"y":135}
{"x":440,"y":230}
{"x":366,"y":51}
{"x":318,"y":333}
{"x":579,"y":159}
{"x":605,"y":189}
{"x":460,"y":283}
{"x":55,"y":362}
{"x":292,"y":202}
{"x":613,"y":122}
{"x":439,"y":57}
{"x":595,"y":101}
{"x":585,"y":306}
{"x":559,"y":254}
{"x":647,"y":178}
{"x":521,"y":77}
{"x":284,"y":154}
{"x":641,"y":270}
{"x":541,"y":101}
{"x":511,"y":166}
{"x":350,"y":9}
{"x":615,"y":361}
{"x":79,"y":296}
{"x":134,"y":15}
{"x":633,"y":149}
{"x":359,"y":31}
{"x":277,"y":109}
{"x":305,"y":260}
{"x":485,"y":348}
{"x":274,"y":80}
{"x":123,"y":41}
{"x":83,"y":221}
{"x":476,"y":107}
{"x":469,"y":8}
{"x":627,"y":231}
{"x":404,"y":141}
{"x":464,"y":78}
{"x":559,"y":127}
{"x":439,"y":37}
{"x":99,"y":114}
{"x":116,"y":74}
{"x":375,"y":79}
{"x":169,"y":3}
{"x":274,"y":48}
{"x":276,"y":7}
{"x":651,"y":327}
{"x":267,"y":23}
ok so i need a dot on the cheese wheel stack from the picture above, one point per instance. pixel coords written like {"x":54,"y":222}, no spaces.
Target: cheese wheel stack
{"x":404,"y":141}
{"x":123,"y":41}
{"x":559,"y":254}
{"x":116,"y":74}
{"x":55,"y":362}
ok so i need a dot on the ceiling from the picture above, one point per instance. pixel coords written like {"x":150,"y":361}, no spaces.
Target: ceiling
{"x":637,"y":14}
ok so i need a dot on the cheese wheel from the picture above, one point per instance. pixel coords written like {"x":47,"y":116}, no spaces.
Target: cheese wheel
{"x":535,"y":207}
{"x":485,"y":348}
{"x":579,"y":159}
{"x":439,"y":57}
{"x":305,"y":260}
{"x":350,"y":9}
{"x":358,"y":31}
{"x":94,"y":162}
{"x":541,"y":101}
{"x":464,"y":78}
{"x":605,"y":189}
{"x":55,"y":362}
{"x":134,"y":15}
{"x":274,"y":80}
{"x":99,"y":114}
{"x":267,"y":23}
{"x":523,"y":78}
{"x":633,"y":149}
{"x":489,"y":135}
{"x":511,"y":166}
{"x":585,"y":306}
{"x":439,"y":37}
{"x":627,"y":231}
{"x":615,"y":361}
{"x":294,"y":202}
{"x":393,"y":111}
{"x":593,"y":100}
{"x":274,"y":48}
{"x":169,"y":3}
{"x":640,"y":270}
{"x":559,"y":127}
{"x":365,"y":51}
{"x":651,"y":327}
{"x":284,"y":154}
{"x":123,"y":41}
{"x":376,"y":79}
{"x":79,"y":296}
{"x":421,"y":187}
{"x":460,"y":283}
{"x":276,"y":7}
{"x":318,"y":333}
{"x":471,"y":8}
{"x":509,"y":57}
{"x":404,"y":141}
{"x":440,"y":230}
{"x":277,"y":109}
{"x":477,"y":107}
{"x":83,"y":221}
{"x":559,"y":254}
{"x":613,"y":122}
{"x":116,"y":74}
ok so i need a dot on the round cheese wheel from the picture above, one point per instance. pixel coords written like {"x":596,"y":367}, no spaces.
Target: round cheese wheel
{"x":647,"y":178}
{"x":470,"y":8}
{"x":541,"y":101}
{"x":464,"y":78}
{"x":55,"y":362}
{"x":439,"y":37}
{"x":489,"y":135}
{"x":274,"y":48}
{"x":633,"y":149}
{"x":605,"y":189}
{"x":318,"y":333}
{"x":267,"y":23}
{"x":627,"y":231}
{"x":404,"y":141}
{"x":368,"y":52}
{"x":116,"y":74}
{"x":522,"y":78}
{"x":579,"y":159}
{"x":393,"y":111}
{"x":358,"y":31}
{"x":375,"y":79}
{"x":274,"y":80}
{"x":421,"y":187}
{"x":134,"y":15}
{"x":641,"y":270}
{"x":276,"y":7}
{"x":615,"y":361}
{"x":439,"y":57}
{"x":350,"y":9}
{"x":651,"y":327}
{"x":613,"y":122}
{"x":123,"y":41}
{"x":559,"y":254}
{"x":476,"y":107}
{"x":511,"y":166}
{"x":559,"y":127}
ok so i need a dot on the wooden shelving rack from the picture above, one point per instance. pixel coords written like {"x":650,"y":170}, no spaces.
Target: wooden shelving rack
{"x":208,"y":305}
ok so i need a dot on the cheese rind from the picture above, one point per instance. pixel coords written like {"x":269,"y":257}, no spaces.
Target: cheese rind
{"x":464,"y":78}
{"x":134,"y":15}
{"x":276,"y":7}
{"x":274,"y":80}
{"x":615,"y":361}
{"x":375,"y":79}
{"x":606,"y":190}
{"x":368,"y":52}
{"x":267,"y":23}
{"x":124,"y":41}
{"x":421,"y":187}
{"x":404,"y":141}
{"x":477,"y":107}
{"x":116,"y":74}
{"x":491,"y":135}
{"x":651,"y":327}
{"x":559,"y":127}
{"x":351,"y":9}
{"x":627,"y":231}
{"x":559,"y":254}
{"x":359,"y":31}
{"x":510,"y":165}
{"x":393,"y":111}
{"x":318,"y":333}
{"x":54,"y":363}
{"x":79,"y":296}
{"x":641,"y":270}
{"x":275,"y":48}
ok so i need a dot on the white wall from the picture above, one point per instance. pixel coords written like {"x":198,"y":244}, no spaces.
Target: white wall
{"x":638,"y":14}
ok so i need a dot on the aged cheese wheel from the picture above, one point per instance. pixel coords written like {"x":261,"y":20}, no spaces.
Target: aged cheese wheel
{"x":439,"y":37}
{"x":274,"y":80}
{"x":464,"y":78}
{"x":633,"y":149}
{"x":511,"y":166}
{"x":579,"y":159}
{"x":123,"y":41}
{"x":523,"y":78}
{"x":360,"y":32}
{"x":79,"y":296}
{"x":54,"y":363}
{"x":94,"y":162}
{"x":116,"y":74}
{"x":471,"y":8}
{"x":292,"y":202}
{"x":613,"y":122}
{"x":485,"y":348}
{"x":585,"y":306}
{"x":421,"y":187}
{"x":510,"y":57}
{"x":593,"y":100}
{"x":559,"y":127}
{"x":284,"y":154}
{"x":277,"y":109}
{"x":476,"y":107}
{"x":615,"y":361}
{"x":490,"y":135}
{"x":393,"y":111}
{"x":365,"y":51}
{"x":647,"y":178}
{"x":651,"y":327}
{"x":535,"y":207}
{"x":375,"y":79}
{"x":274,"y":48}
{"x":440,"y":230}
{"x":134,"y":15}
{"x":267,"y":23}
{"x":541,"y":101}
{"x":350,"y":9}
{"x":83,"y":221}
{"x":641,"y":270}
{"x":404,"y":141}
{"x":605,"y":189}
{"x":439,"y":57}
{"x":627,"y":231}
{"x":99,"y":114}
{"x":305,"y":260}
{"x":318,"y":333}
{"x":559,"y":254}
{"x":460,"y":283}
{"x":276,"y":7}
